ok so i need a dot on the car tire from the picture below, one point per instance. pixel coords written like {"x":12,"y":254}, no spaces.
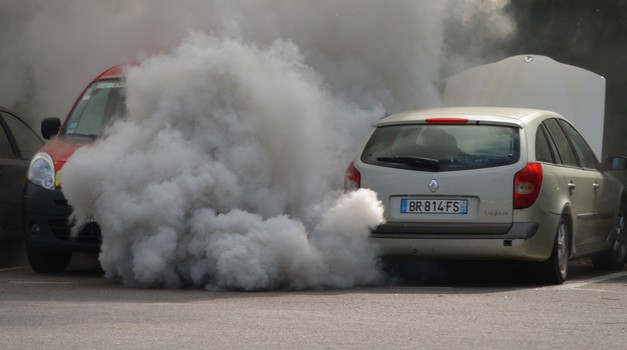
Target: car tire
{"x":614,"y":258}
{"x":48,"y":261}
{"x":555,"y":269}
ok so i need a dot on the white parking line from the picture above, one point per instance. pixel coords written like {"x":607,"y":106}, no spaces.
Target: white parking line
{"x":14,"y":268}
{"x":578,"y":285}
{"x":39,"y":282}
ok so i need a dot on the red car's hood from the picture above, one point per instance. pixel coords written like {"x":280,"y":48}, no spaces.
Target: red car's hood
{"x":61,"y":148}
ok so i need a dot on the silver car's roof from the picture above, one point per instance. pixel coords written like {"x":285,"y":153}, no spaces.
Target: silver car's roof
{"x":493,"y":115}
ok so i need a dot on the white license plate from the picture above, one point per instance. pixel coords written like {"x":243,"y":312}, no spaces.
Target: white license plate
{"x":434,"y":206}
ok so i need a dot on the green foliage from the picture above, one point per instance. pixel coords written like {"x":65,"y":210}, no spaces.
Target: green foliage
{"x":591,"y":34}
{"x":585,"y":33}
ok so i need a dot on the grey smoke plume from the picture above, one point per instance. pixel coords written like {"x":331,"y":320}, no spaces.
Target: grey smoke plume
{"x":225,"y":174}
{"x":372,"y":52}
{"x":242,"y":118}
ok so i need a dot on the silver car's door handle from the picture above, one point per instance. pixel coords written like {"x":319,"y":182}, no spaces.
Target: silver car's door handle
{"x":596,"y":187}
{"x":571,"y":186}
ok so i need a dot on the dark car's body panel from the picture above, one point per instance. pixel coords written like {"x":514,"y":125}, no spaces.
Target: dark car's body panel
{"x":14,"y":157}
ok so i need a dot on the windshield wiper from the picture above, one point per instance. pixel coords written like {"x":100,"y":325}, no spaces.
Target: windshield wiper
{"x":419,"y":162}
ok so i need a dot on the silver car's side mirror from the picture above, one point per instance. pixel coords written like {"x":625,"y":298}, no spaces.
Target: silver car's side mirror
{"x":619,"y":163}
{"x":615,"y":163}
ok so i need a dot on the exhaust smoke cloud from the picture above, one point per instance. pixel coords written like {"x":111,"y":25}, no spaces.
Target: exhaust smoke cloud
{"x":225,"y":174}
{"x":241,"y":120}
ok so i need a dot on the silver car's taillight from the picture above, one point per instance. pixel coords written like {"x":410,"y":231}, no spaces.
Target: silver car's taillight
{"x":352,"y":178}
{"x":527,"y":183}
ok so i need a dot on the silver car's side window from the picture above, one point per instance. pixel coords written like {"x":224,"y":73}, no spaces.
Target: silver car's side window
{"x":584,"y":153}
{"x":544,"y":150}
{"x":564,"y":149}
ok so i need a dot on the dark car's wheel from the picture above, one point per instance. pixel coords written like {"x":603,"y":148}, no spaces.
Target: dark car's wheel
{"x":614,"y":258}
{"x":46,"y":261}
{"x":555,"y":269}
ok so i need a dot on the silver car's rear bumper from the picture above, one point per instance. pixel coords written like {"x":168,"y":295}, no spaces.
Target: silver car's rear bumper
{"x":519,"y":241}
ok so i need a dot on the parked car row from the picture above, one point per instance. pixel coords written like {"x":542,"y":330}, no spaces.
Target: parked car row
{"x":456,"y":183}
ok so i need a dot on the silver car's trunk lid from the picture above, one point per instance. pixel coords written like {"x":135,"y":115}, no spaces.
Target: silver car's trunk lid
{"x":467,"y":196}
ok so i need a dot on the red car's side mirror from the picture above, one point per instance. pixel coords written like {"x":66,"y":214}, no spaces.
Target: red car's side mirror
{"x":50,"y":127}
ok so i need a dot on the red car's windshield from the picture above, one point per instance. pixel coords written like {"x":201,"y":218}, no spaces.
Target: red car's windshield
{"x":102,"y":103}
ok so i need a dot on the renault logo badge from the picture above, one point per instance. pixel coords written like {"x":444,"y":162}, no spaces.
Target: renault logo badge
{"x":433,"y":186}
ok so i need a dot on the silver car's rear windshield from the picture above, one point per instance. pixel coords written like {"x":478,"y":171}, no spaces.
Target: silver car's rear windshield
{"x":442,"y":147}
{"x":102,"y":103}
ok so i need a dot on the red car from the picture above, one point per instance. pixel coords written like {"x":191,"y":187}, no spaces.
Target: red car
{"x":45,"y":211}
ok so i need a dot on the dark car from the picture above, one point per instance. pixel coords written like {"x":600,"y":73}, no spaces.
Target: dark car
{"x":47,"y":231}
{"x":18,"y":143}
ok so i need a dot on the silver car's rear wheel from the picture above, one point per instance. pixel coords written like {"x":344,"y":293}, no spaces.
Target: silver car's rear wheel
{"x":562,"y":250}
{"x":614,"y":258}
{"x":555,"y":269}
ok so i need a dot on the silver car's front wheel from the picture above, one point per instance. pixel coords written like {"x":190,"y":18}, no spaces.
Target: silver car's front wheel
{"x":614,"y":258}
{"x":619,"y":248}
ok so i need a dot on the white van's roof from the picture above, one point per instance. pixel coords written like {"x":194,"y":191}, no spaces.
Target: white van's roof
{"x":532,"y":81}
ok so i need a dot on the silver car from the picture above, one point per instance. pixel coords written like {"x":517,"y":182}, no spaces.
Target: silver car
{"x":492,"y":183}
